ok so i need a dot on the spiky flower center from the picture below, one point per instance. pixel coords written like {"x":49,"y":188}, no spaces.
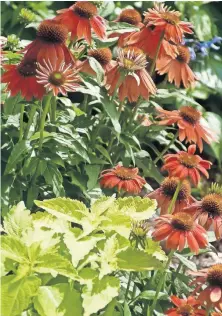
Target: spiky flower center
{"x":140,"y":228}
{"x":130,"y":16}
{"x":102,"y":55}
{"x":169,"y":186}
{"x":182,"y":221}
{"x":57,"y":78}
{"x":170,"y":17}
{"x":52,"y":32}
{"x":183,"y":54}
{"x":212,"y":204}
{"x":125,"y":173}
{"x":132,"y":59}
{"x":189,"y":114}
{"x":188,"y":160}
{"x":85,"y":9}
{"x":185,"y":310}
{"x":214,"y":275}
{"x":27,"y":69}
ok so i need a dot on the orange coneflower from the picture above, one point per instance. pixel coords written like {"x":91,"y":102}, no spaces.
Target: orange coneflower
{"x":126,"y":179}
{"x":177,"y":69}
{"x":212,"y":279}
{"x":178,"y":230}
{"x":186,"y":306}
{"x":57,"y":77}
{"x":165,"y":193}
{"x":186,"y":165}
{"x":148,"y":40}
{"x":130,"y":76}
{"x":130,"y":16}
{"x":192,"y":126}
{"x":208,"y":211}
{"x":80,"y":18}
{"x":49,"y":43}
{"x":22,"y":78}
{"x":168,"y":21}
{"x":102,"y":55}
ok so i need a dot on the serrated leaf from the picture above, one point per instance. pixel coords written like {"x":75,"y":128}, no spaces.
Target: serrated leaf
{"x":16,"y":294}
{"x":137,"y":260}
{"x":18,"y":153}
{"x":100,"y":295}
{"x":55,"y":264}
{"x":17,"y":220}
{"x":102,"y":204}
{"x":67,"y":209}
{"x":80,"y":247}
{"x":154,"y":249}
{"x":120,"y":27}
{"x":13,"y":249}
{"x":108,"y":257}
{"x":71,"y":303}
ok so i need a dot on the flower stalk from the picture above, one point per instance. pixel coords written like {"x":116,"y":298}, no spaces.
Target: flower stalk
{"x":21,"y":122}
{"x":157,"y":53}
{"x":172,"y":203}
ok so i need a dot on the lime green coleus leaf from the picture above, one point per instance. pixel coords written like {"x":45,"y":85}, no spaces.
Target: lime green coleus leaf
{"x":58,"y":300}
{"x":108,"y":257}
{"x":55,"y":264}
{"x":137,"y":260}
{"x":102,"y":292}
{"x":12,"y":248}
{"x":102,"y":205}
{"x":17,"y":293}
{"x":67,"y":209}
{"x":17,"y":220}
{"x":153,"y":248}
{"x":80,"y":247}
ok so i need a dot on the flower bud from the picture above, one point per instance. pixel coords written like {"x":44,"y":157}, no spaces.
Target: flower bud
{"x":26,"y":16}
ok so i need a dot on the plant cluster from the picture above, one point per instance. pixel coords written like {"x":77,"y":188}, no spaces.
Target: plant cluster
{"x":83,"y":95}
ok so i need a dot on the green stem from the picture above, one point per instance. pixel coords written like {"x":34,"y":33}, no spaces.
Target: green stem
{"x":173,"y":201}
{"x":160,"y":284}
{"x":21,"y":122}
{"x":128,"y":284}
{"x":157,"y":53}
{"x":42,"y":121}
{"x":135,"y":110}
{"x":85,"y":103}
{"x":166,"y":148}
{"x":208,"y":311}
{"x":120,"y":108}
{"x":53,"y":110}
{"x":31,"y":116}
{"x":175,"y":276}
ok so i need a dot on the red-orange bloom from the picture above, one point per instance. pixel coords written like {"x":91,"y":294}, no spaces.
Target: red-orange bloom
{"x":148,"y":40}
{"x":177,"y":68}
{"x":209,"y":212}
{"x":168,"y":21}
{"x":130,"y":76}
{"x":192,"y":126}
{"x":186,"y":165}
{"x":188,"y":306}
{"x":178,"y":230}
{"x":49,"y":44}
{"x":80,"y":18}
{"x":164,"y":195}
{"x":102,"y":55}
{"x":21,"y":78}
{"x":126,"y":179}
{"x":212,"y":277}
{"x":130,"y":16}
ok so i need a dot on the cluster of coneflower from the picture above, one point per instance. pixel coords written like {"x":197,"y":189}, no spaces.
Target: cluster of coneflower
{"x":48,"y":64}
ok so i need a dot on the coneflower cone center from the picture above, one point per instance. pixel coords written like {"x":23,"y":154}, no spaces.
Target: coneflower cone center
{"x":130,"y":16}
{"x":27,"y":69}
{"x":85,"y":9}
{"x":52,"y":32}
{"x":185,"y":310}
{"x":102,"y":55}
{"x":169,"y":186}
{"x":189,"y":114}
{"x":125,"y":173}
{"x":183,"y":54}
{"x":170,"y":17}
{"x":214,"y":275}
{"x":188,"y":160}
{"x":212,"y":204}
{"x":57,"y":78}
{"x":182,"y":221}
{"x":132,"y":58}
